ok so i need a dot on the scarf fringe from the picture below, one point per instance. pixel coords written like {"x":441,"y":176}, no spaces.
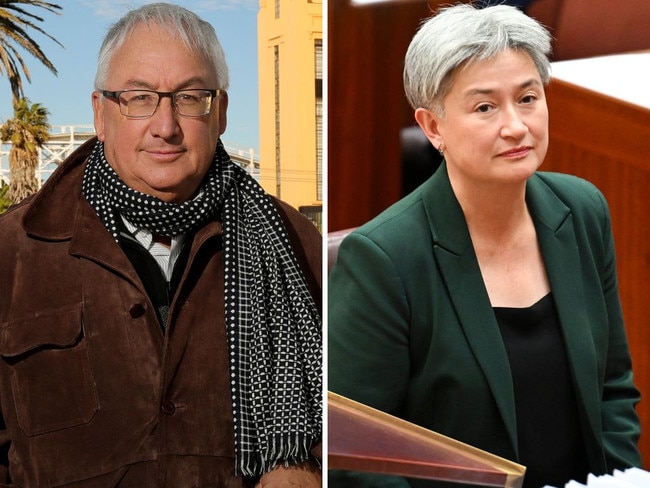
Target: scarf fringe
{"x":285,"y":450}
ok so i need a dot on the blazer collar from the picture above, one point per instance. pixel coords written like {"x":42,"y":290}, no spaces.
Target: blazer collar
{"x":453,"y":250}
{"x":446,"y":217}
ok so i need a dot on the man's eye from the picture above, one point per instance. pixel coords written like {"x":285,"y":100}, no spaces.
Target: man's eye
{"x":186,"y":98}
{"x":140,"y":98}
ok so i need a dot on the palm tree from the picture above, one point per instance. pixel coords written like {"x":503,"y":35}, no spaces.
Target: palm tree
{"x":4,"y":201}
{"x":27,"y":132}
{"x":14,"y":23}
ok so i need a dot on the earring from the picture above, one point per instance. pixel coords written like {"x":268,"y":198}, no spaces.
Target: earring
{"x":441,"y":150}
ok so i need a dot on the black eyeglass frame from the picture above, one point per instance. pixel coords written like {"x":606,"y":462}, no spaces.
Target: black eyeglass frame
{"x":115,"y":96}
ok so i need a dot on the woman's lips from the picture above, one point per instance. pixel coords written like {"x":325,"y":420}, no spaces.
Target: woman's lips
{"x":516,"y":152}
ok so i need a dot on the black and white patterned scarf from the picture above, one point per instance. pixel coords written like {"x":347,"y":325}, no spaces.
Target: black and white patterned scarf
{"x":273,"y":325}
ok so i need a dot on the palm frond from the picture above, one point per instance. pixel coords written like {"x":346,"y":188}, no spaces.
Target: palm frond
{"x":16,"y":27}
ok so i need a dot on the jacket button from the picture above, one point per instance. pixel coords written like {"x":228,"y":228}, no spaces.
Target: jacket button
{"x":168,"y":408}
{"x":136,"y":310}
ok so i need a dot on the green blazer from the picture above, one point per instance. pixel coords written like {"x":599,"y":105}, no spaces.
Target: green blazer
{"x":412,"y":331}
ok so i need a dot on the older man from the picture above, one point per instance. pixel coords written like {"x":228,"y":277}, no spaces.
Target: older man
{"x":159,"y":313}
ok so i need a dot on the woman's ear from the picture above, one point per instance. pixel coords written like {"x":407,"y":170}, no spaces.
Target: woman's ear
{"x":428,"y":122}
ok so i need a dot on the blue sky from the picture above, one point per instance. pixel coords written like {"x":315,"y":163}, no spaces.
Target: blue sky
{"x":81,"y":28}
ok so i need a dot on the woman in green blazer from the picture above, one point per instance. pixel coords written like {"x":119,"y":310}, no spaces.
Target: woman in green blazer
{"x":484,"y":305}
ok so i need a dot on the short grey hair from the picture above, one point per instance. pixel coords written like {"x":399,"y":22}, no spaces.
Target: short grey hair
{"x":197,"y":34}
{"x":462,"y":33}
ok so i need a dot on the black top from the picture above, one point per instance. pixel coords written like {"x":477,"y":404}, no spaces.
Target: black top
{"x":548,"y":425}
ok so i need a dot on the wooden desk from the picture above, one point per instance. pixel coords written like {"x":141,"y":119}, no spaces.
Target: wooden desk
{"x":385,"y":444}
{"x":600,"y":130}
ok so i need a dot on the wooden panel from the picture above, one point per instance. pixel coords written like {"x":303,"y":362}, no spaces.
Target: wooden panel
{"x":607,"y":142}
{"x":596,"y":27}
{"x":366,"y":105}
{"x":585,"y":28}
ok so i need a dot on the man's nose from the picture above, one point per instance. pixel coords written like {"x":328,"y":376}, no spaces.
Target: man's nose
{"x":164,"y":121}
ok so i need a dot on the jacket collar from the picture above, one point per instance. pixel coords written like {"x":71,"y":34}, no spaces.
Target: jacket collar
{"x":459,"y":268}
{"x":52,"y":211}
{"x":59,"y":212}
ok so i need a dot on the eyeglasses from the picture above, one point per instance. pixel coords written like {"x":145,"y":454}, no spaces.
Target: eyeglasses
{"x":142,"y":104}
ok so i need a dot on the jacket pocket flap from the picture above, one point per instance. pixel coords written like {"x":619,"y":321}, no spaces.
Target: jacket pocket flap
{"x":60,"y":327}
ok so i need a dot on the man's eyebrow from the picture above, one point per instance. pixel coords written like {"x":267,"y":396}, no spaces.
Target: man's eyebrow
{"x":489,"y":91}
{"x":136,"y":83}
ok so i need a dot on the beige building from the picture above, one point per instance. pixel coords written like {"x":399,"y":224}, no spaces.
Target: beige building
{"x":290,"y":46}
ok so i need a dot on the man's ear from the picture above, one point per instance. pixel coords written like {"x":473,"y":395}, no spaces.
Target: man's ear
{"x":98,"y":114}
{"x":223,"y":109}
{"x":428,"y":122}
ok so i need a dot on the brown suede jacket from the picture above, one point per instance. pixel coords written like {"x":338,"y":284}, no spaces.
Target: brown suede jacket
{"x":92,"y":393}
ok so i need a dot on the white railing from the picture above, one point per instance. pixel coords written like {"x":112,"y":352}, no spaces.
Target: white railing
{"x":64,"y":139}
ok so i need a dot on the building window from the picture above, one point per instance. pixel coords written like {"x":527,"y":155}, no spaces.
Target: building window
{"x":318,"y":50}
{"x":278,"y":166}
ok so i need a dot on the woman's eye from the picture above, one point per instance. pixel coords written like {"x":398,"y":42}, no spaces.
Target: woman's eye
{"x":483,"y":108}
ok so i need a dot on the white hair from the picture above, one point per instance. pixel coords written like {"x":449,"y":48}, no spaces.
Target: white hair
{"x":463,"y":33}
{"x":197,"y":34}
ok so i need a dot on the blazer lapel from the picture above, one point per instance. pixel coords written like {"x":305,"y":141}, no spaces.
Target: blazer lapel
{"x":556,"y":234}
{"x":459,"y":268}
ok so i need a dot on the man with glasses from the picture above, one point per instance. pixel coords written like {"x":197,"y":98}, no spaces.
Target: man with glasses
{"x":159,"y":313}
